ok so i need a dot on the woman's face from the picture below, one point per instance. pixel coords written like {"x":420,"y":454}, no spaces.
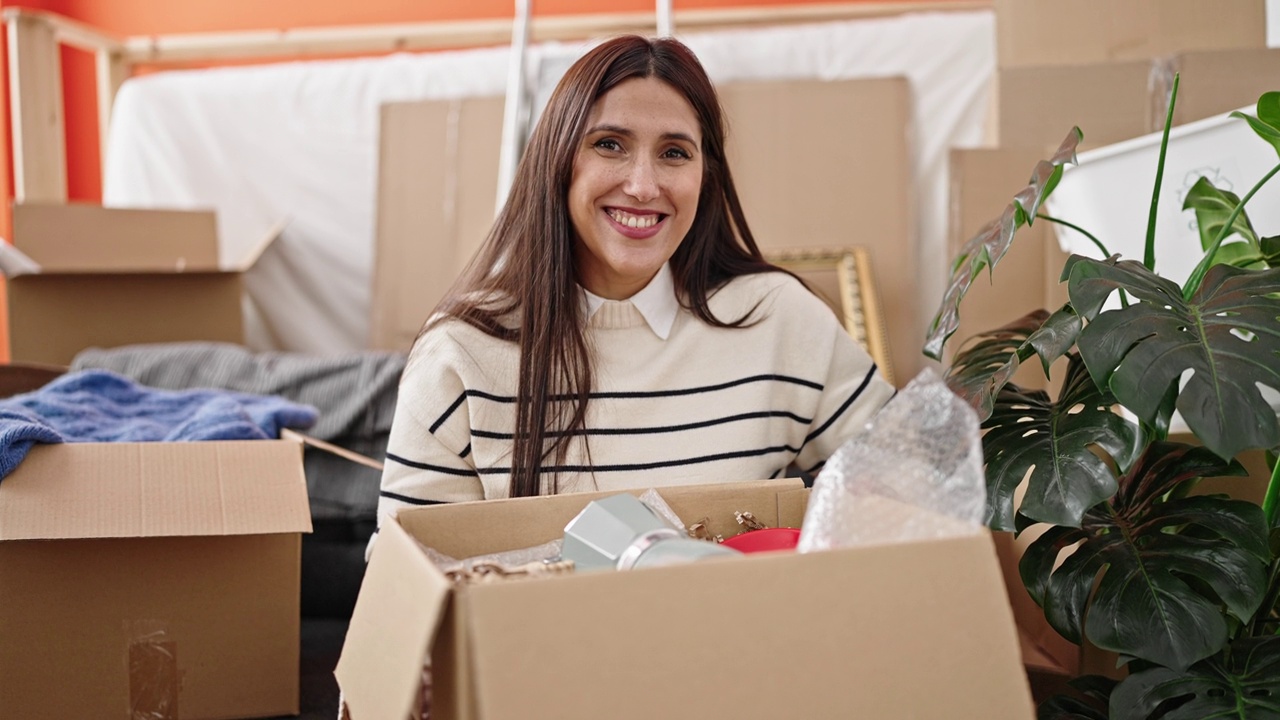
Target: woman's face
{"x":636,"y":178}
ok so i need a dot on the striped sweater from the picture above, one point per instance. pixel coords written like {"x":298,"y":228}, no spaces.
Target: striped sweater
{"x":704,"y":405}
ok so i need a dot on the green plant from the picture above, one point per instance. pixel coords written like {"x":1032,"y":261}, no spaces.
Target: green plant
{"x":1182,"y":587}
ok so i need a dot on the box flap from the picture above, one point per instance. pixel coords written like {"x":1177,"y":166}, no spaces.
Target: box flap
{"x":251,"y":257}
{"x":14,"y":262}
{"x":79,"y":238}
{"x":792,"y":505}
{"x":525,"y":522}
{"x":402,"y":601}
{"x":101,"y":490}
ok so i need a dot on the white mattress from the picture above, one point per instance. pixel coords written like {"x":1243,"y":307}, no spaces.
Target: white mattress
{"x":299,"y":141}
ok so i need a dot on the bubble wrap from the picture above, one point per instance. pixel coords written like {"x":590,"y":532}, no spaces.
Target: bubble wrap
{"x":546,"y":552}
{"x":922,"y":450}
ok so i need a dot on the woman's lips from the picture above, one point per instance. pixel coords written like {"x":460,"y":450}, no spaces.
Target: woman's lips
{"x":637,"y":226}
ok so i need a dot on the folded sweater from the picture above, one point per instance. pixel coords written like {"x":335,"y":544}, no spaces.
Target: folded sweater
{"x":100,"y":406}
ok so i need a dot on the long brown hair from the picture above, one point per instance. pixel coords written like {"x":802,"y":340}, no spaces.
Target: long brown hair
{"x":521,"y":288}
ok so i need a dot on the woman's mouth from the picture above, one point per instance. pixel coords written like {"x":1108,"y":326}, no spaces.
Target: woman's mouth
{"x":635,"y":225}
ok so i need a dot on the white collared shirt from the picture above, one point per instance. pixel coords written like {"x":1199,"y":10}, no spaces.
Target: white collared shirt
{"x":656,"y":302}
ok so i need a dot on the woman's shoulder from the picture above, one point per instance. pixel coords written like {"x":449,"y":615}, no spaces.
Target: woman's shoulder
{"x":772,"y":292}
{"x":451,"y":345}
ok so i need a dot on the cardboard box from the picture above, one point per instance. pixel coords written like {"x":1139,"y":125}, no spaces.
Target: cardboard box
{"x":856,"y":191}
{"x":152,"y":580}
{"x":437,"y":188}
{"x":848,"y":633}
{"x":1052,"y":32}
{"x":87,"y":276}
{"x":1216,"y":82}
{"x":437,"y":181}
{"x":1110,"y":102}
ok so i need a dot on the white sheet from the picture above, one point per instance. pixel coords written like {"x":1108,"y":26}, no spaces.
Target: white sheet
{"x":299,"y":140}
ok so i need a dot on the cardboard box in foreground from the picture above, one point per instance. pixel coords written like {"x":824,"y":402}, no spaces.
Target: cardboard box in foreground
{"x":841,"y":634}
{"x":156,"y":580}
{"x":84,"y":276}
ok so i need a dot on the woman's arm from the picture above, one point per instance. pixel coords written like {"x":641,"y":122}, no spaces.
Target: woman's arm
{"x":853,"y":392}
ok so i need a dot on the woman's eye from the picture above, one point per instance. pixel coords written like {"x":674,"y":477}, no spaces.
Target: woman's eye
{"x":677,"y":154}
{"x":608,"y":144}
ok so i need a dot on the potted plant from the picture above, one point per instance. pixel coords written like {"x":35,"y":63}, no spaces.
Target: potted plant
{"x":1183,"y":587}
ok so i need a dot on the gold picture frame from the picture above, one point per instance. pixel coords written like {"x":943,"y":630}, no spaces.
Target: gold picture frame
{"x":857,"y":303}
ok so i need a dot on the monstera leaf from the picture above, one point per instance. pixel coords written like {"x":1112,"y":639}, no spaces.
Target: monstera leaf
{"x":982,"y":368}
{"x":1227,"y":334}
{"x":1166,"y":566}
{"x":1096,"y":693}
{"x":1055,"y":441}
{"x":985,"y":249}
{"x":1243,"y":685}
{"x":1214,"y":208}
{"x":1266,"y":123}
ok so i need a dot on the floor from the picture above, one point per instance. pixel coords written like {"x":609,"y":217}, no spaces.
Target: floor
{"x":318,"y":691}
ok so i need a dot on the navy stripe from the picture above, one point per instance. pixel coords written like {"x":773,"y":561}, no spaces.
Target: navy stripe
{"x":815,"y":468}
{"x":440,"y":421}
{"x":465,"y":451}
{"x":865,"y":381}
{"x":651,"y":465}
{"x":507,"y":399}
{"x":654,"y":430}
{"x":410,"y":500}
{"x":434,"y":468}
{"x":775,"y":473}
{"x":707,"y":388}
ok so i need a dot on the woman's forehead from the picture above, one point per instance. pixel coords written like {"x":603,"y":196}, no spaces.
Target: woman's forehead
{"x":645,"y":105}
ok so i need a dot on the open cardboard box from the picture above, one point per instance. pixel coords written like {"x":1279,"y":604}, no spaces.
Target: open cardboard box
{"x":919,"y":629}
{"x":156,"y":580}
{"x":83,"y":276}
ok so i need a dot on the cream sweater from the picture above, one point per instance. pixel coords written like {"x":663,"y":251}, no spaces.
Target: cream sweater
{"x":705,"y":405}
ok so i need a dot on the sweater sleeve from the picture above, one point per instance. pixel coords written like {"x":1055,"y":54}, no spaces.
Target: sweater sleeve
{"x":853,"y":392}
{"x":429,"y":458}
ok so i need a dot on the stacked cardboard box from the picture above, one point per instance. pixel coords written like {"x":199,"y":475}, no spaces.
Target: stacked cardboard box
{"x":83,"y":276}
{"x":1105,"y":66}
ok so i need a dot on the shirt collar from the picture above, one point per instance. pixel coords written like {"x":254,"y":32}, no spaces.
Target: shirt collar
{"x":656,"y":302}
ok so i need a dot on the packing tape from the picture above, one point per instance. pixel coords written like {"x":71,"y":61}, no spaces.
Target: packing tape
{"x":1159,"y":86}
{"x":153,"y":672}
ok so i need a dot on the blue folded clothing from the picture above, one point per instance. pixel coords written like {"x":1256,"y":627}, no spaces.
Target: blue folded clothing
{"x":101,"y":406}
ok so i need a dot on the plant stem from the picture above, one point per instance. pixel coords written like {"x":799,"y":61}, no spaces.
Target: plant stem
{"x":1149,"y":254}
{"x":1103,"y":248}
{"x":1272,"y":497}
{"x":1124,"y":299}
{"x":1197,"y":275}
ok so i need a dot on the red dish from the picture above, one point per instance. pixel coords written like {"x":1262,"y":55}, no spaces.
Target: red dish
{"x":764,"y":540}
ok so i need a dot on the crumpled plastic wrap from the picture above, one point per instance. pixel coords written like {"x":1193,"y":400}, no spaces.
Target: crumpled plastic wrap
{"x":921,"y":451}
{"x":546,"y":552}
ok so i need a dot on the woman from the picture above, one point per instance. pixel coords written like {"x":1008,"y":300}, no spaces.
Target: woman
{"x":620,"y":327}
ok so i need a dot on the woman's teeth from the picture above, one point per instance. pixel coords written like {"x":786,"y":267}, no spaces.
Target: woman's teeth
{"x":633,"y":221}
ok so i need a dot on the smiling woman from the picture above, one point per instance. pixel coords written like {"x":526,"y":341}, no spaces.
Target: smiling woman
{"x":620,"y":327}
{"x":635,"y":186}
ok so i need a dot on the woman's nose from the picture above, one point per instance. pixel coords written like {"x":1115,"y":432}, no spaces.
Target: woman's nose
{"x":641,"y":182}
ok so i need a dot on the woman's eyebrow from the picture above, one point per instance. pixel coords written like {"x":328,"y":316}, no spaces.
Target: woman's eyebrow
{"x":626,"y":132}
